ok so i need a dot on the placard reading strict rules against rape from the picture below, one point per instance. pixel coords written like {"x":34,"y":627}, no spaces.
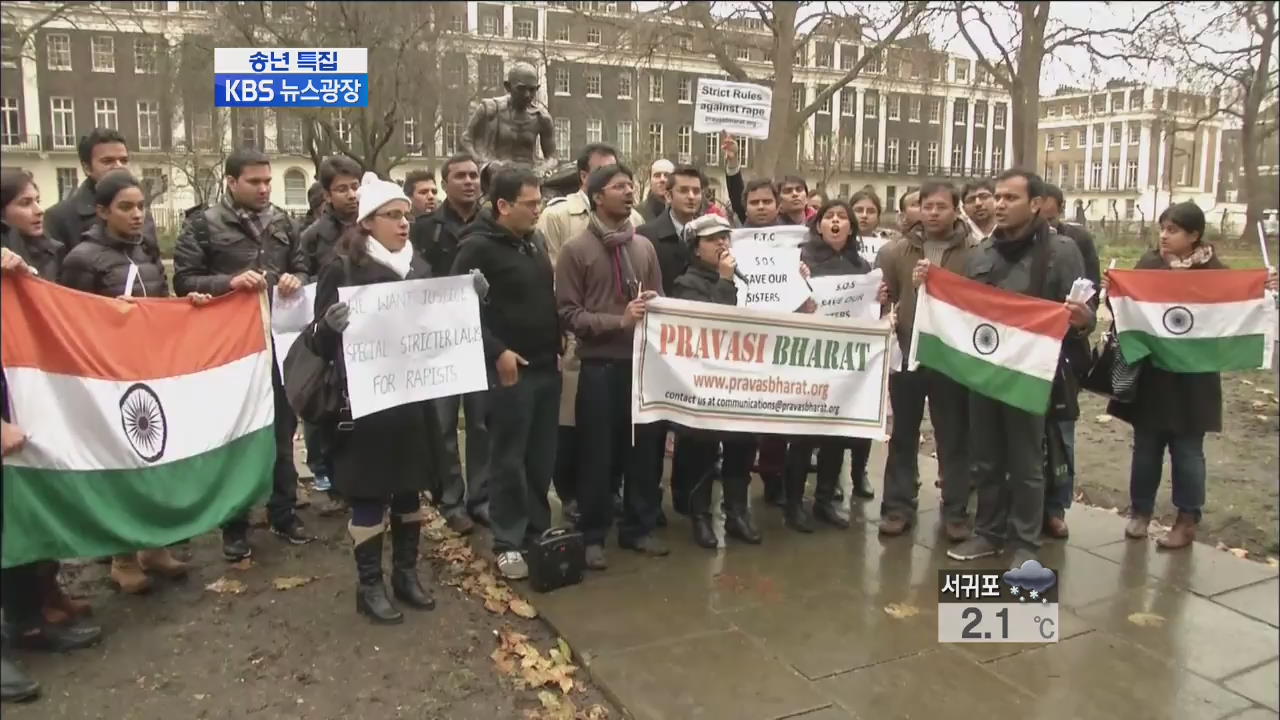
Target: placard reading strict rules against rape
{"x":736,"y":108}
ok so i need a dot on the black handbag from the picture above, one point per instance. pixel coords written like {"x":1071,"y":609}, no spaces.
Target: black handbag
{"x":1109,"y":375}
{"x":556,"y":559}
{"x":314,"y":385}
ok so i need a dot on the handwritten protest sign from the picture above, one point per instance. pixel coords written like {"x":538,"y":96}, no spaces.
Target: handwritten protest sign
{"x":776,"y":236}
{"x":773,"y":279}
{"x":737,"y":108}
{"x":848,"y":296}
{"x":717,"y":367}
{"x":411,"y":341}
{"x":871,"y":245}
{"x":289,"y":315}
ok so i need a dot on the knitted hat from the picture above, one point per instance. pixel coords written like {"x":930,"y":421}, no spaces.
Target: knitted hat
{"x":374,"y":193}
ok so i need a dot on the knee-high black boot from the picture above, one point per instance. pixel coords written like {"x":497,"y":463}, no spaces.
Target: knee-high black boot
{"x":795,"y":473}
{"x":371,"y":593}
{"x":406,"y":532}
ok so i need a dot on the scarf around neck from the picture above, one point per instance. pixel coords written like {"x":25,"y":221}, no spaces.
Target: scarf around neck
{"x":397,"y":262}
{"x":615,"y":243}
{"x":1199,"y":256}
{"x":1013,"y":248}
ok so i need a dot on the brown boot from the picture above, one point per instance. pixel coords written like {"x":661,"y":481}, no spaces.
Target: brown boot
{"x":1136,"y":529}
{"x":1056,"y":527}
{"x":162,"y":562}
{"x":1182,"y":534}
{"x":128,"y":575}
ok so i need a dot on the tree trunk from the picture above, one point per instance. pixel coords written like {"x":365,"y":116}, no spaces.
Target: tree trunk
{"x":777,"y":155}
{"x":1254,"y":193}
{"x":1024,"y":97}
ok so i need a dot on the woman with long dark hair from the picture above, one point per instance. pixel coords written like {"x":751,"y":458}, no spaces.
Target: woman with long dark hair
{"x":833,"y":248}
{"x":114,"y":259}
{"x":381,"y":462}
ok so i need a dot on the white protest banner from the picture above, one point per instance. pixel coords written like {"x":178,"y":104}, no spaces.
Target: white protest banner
{"x":773,"y":279}
{"x":289,"y":315}
{"x":736,"y":108}
{"x":411,"y":341}
{"x":717,"y":367}
{"x":871,"y":245}
{"x":776,"y":236}
{"x":848,"y":296}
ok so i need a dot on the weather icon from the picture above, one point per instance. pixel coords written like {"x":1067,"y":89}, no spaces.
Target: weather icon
{"x":1030,"y":581}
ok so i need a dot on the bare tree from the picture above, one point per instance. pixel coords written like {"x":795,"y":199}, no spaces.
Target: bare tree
{"x":19,"y":27}
{"x":1020,"y":53}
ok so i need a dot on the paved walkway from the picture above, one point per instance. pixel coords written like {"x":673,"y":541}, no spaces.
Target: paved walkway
{"x":797,"y":628}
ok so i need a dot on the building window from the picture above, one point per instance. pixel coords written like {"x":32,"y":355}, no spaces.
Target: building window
{"x":295,"y":188}
{"x":63,"y":110}
{"x":249,"y":129}
{"x":105,"y":114}
{"x":913,"y":156}
{"x":1131,"y":175}
{"x":997,"y":159}
{"x":894,"y":67}
{"x":825,"y":107}
{"x":891,"y":197}
{"x":457,"y":24}
{"x":655,"y":87}
{"x":655,"y":139}
{"x":895,"y":107}
{"x":1135,"y":132}
{"x":595,"y":130}
{"x":871,"y":104}
{"x":684,"y":137}
{"x":1077,"y":171}
{"x":489,"y":25}
{"x":593,"y":36}
{"x":1065,"y":142}
{"x":593,"y":83}
{"x":147,"y":6}
{"x":931,"y":157}
{"x":68,"y":179}
{"x":59,"y":51}
{"x":104,"y":53}
{"x":1113,"y":176}
{"x":562,"y":33}
{"x":524,"y":29}
{"x":144,"y":55}
{"x":685,"y":90}
{"x":874,"y":64}
{"x":685,"y":43}
{"x":563,"y":128}
{"x":797,"y":97}
{"x":490,"y":71}
{"x":980,"y":115}
{"x":626,"y":137}
{"x":455,"y":71}
{"x":1048,"y":141}
{"x":744,"y":152}
{"x":202,"y":132}
{"x":10,"y":129}
{"x":291,"y":134}
{"x":1097,"y":135}
{"x":341,"y":128}
{"x":1116,"y":130}
{"x":868,"y":151}
{"x":1135,"y":100}
{"x":961,"y":113}
{"x":957,"y":159}
{"x":1097,"y":175}
{"x":848,"y":56}
{"x":935,"y":111}
{"x":744,"y":53}
{"x":713,"y":148}
{"x":1184,"y":174}
{"x":848,"y":101}
{"x":410,"y":137}
{"x":825,"y":55}
{"x":192,"y":6}
{"x":153,"y":184}
{"x":913,"y":114}
{"x":977,"y":160}
{"x":562,"y":82}
{"x":891,"y":155}
{"x":962,"y":71}
{"x":1082,"y":138}
{"x":1062,"y":175}
{"x":453,"y":137}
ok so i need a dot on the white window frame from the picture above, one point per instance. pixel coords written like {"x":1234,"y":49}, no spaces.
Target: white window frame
{"x":979,"y":118}
{"x":848,"y":102}
{"x":95,"y":53}
{"x":744,"y":53}
{"x":409,"y":136}
{"x":66,"y":188}
{"x":657,"y":131}
{"x":595,"y":130}
{"x":627,"y":92}
{"x":935,"y":112}
{"x":626,"y":137}
{"x":295,"y":195}
{"x":590,"y":77}
{"x":1097,"y":175}
{"x":1065,"y":142}
{"x":10,"y":121}
{"x":656,"y":87}
{"x":68,"y":138}
{"x":1135,"y":132}
{"x":997,"y":159}
{"x":684,"y":91}
{"x":530,"y":25}
{"x":55,"y":55}
{"x":915,"y":110}
{"x":891,"y":155}
{"x":564,"y":132}
{"x":1082,"y":138}
{"x":1113,"y":175}
{"x":594,"y":31}
{"x":564,"y":85}
{"x":1063,"y":171}
{"x":871,"y":104}
{"x":913,"y":156}
{"x":1117,"y":133}
{"x":868,"y":150}
{"x":962,"y":71}
{"x":684,"y":144}
{"x":1048,"y":141}
{"x":1131,"y":175}
{"x":489,"y":25}
{"x":976,"y":157}
{"x":957,"y":158}
{"x":932,"y":155}
{"x":452,"y":137}
{"x":958,"y":108}
{"x":712,"y":141}
{"x":138,"y":67}
{"x":894,"y":109}
{"x":562,"y":34}
{"x":291,"y":134}
{"x":106,"y":113}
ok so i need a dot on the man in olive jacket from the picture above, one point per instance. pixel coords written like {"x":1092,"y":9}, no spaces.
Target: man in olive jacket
{"x":246,"y":243}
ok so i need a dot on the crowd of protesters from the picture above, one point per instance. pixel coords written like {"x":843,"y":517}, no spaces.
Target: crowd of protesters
{"x":564,"y":284}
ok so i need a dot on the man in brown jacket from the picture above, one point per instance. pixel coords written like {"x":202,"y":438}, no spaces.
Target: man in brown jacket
{"x":603,"y":279}
{"x":942,"y":239}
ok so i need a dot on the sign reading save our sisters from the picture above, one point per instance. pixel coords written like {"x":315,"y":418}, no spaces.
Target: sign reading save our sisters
{"x":736,"y":108}
{"x":412,"y":341}
{"x":718,"y":367}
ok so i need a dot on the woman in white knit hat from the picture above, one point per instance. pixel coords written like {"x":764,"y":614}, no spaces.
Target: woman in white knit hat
{"x":385,"y":460}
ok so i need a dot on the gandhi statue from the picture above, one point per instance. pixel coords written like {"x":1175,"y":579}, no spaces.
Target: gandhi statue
{"x":506,"y":130}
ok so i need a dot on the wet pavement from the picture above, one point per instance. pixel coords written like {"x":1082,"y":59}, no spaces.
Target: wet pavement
{"x":798,"y":628}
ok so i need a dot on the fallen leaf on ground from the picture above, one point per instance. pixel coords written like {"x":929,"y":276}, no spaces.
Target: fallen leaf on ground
{"x":901,"y":611}
{"x":1146,"y":619}
{"x":289,"y":583}
{"x":1260,"y":404}
{"x":494,"y":606}
{"x":595,"y":712}
{"x":522,"y":608}
{"x":244,"y":564}
{"x":1246,"y":382}
{"x":224,"y":586}
{"x":1266,"y":391}
{"x":1104,"y":418}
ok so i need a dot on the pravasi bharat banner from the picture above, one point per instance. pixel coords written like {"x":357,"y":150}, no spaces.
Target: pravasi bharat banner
{"x":148,"y":423}
{"x":719,"y":367}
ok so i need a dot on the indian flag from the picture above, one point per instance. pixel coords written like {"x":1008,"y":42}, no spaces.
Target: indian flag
{"x":997,"y":343}
{"x":1192,"y":322}
{"x":148,"y":423}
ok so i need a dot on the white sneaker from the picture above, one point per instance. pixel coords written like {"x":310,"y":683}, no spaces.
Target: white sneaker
{"x":511,"y":565}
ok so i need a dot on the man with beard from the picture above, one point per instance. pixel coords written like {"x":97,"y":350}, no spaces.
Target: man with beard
{"x":978,"y":197}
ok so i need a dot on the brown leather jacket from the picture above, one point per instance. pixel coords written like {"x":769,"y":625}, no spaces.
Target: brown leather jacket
{"x":898,"y":259}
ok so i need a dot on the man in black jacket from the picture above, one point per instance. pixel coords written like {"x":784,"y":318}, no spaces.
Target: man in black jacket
{"x":246,"y":243}
{"x":101,"y":151}
{"x":436,"y":238}
{"x":522,"y":347}
{"x":340,"y":179}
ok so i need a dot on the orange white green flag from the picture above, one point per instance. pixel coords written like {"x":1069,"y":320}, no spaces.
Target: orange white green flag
{"x":148,"y":422}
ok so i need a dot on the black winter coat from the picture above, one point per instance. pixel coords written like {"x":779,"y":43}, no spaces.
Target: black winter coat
{"x":436,"y":237}
{"x":704,"y":284}
{"x":207,"y":264}
{"x":393,"y":451}
{"x":100,"y":264}
{"x":43,"y":254}
{"x":1181,"y":403}
{"x":68,"y":220}
{"x":319,"y":241}
{"x":822,"y":260}
{"x":673,"y":252}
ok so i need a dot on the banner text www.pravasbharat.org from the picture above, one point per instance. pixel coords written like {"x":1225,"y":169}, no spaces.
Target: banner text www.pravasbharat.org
{"x":773,"y":384}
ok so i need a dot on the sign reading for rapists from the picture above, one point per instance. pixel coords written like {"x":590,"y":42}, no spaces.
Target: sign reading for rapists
{"x":736,"y":108}
{"x":412,"y":341}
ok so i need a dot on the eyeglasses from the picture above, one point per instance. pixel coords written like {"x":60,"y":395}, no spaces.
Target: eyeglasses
{"x":393,"y":215}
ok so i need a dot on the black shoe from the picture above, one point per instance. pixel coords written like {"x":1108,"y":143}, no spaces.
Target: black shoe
{"x":797,"y":519}
{"x":646,"y":545}
{"x":738,"y":525}
{"x":52,"y":637}
{"x":704,"y":535}
{"x":862,"y":487}
{"x":295,"y":534}
{"x":405,"y":537}
{"x":371,"y":593}
{"x":235,"y":546}
{"x":773,"y":492}
{"x":480,"y":514}
{"x":15,"y":684}
{"x":826,"y":512}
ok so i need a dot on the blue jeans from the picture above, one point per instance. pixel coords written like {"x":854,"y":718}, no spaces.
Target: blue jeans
{"x":1186,"y":454}
{"x":1057,"y":496}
